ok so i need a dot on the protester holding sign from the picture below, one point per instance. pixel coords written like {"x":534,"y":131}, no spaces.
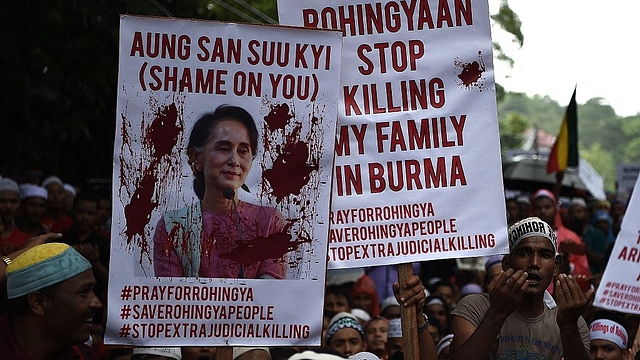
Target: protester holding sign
{"x":518,"y":313}
{"x":219,"y":229}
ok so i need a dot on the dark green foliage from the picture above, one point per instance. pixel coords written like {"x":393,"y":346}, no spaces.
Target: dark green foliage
{"x":60,"y":63}
{"x":605,"y":139}
{"x":60,"y":66}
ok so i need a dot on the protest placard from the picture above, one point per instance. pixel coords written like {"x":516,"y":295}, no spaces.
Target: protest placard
{"x":619,"y":288}
{"x":418,"y":172}
{"x":184,"y":272}
{"x":627,"y":175}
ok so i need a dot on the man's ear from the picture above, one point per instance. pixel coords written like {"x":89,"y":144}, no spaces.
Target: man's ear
{"x":505,"y":263}
{"x":556,"y":268}
{"x":38,"y":302}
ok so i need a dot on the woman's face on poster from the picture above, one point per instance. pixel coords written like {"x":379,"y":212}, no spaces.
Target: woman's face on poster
{"x":226,"y":157}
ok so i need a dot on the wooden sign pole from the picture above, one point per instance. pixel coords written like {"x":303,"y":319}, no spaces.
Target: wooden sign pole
{"x":408,"y":317}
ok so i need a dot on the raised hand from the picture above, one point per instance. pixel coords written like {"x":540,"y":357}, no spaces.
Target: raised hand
{"x":571,"y":300}
{"x":505,"y":291}
{"x":414,"y":294}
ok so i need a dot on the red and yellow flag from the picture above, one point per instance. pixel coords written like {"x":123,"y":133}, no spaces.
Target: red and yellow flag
{"x":565,"y":150}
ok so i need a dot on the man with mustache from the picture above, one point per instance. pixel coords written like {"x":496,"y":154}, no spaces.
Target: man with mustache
{"x":518,"y":319}
{"x":50,"y":304}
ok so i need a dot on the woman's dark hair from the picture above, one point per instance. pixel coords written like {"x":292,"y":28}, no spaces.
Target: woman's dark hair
{"x":204,"y":126}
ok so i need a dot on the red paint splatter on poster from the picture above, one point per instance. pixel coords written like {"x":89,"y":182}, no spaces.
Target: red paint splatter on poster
{"x":278,"y":117}
{"x":146,"y":170}
{"x":263,"y":248}
{"x":163,"y":133}
{"x":471,"y":72}
{"x":290,"y":171}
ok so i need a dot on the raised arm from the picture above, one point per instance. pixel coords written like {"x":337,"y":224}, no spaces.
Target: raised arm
{"x":415,"y":297}
{"x":471,"y":342}
{"x":572,"y":302}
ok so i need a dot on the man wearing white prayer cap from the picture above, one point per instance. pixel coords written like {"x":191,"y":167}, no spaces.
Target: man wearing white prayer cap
{"x":345,"y":334}
{"x":55,"y":218}
{"x":390,"y":308}
{"x":361,"y":315}
{"x":514,"y":320}
{"x":578,"y":216}
{"x":33,"y":200}
{"x":69,"y":195}
{"x":11,"y":238}
{"x":156,"y":353}
{"x":251,"y":353}
{"x":394,"y":337}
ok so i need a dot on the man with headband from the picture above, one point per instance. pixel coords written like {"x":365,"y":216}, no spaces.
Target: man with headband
{"x":50,"y":304}
{"x":609,"y":338}
{"x":517,"y":319}
{"x":345,"y":334}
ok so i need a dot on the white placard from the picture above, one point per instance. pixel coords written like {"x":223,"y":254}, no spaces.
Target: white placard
{"x":619,"y":288}
{"x":418,"y":169}
{"x":172,"y":71}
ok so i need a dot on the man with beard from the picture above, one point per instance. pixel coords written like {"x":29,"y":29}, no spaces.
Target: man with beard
{"x":518,"y":319}
{"x":50,"y":304}
{"x":545,"y":207}
{"x":578,"y":216}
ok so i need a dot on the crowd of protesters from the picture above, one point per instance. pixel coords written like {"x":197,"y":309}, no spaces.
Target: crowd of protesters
{"x":361,"y":306}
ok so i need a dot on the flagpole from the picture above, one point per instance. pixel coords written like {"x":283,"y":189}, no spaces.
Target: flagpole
{"x":558,"y":185}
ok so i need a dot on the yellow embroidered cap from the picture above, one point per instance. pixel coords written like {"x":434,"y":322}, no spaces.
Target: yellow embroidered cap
{"x":42,"y":266}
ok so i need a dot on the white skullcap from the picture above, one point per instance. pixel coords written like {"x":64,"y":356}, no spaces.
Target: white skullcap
{"x":170,"y":352}
{"x":341,"y":321}
{"x":7,"y":184}
{"x":531,"y":226}
{"x":70,"y":189}
{"x":470,"y":288}
{"x":523,"y":200}
{"x":390,"y":301}
{"x":31,"y":190}
{"x":52,"y":180}
{"x":492,"y":261}
{"x":364,"y":355}
{"x":395,"y":329}
{"x":310,"y":355}
{"x":361,"y":314}
{"x":237,"y":351}
{"x":604,"y":329}
{"x":435,"y":300}
{"x":578,"y":201}
{"x":443,"y":343}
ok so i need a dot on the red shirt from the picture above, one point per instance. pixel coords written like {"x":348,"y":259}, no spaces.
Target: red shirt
{"x":17,"y":239}
{"x":59,"y":225}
